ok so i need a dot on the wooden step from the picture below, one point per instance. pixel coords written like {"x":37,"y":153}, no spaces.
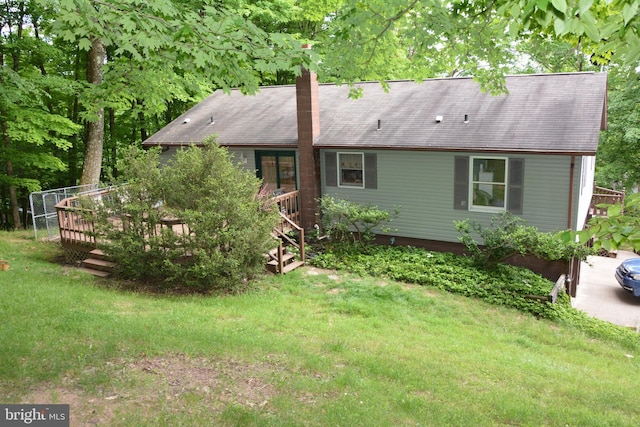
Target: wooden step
{"x":98,"y":254}
{"x":292,"y":266}
{"x":272,"y":266}
{"x":98,"y":273}
{"x":287,"y":256}
{"x":98,"y":264}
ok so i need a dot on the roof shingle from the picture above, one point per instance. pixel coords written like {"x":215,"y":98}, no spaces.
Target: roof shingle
{"x":550,"y":113}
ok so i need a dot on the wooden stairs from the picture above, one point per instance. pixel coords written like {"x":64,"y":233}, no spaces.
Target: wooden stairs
{"x":97,"y":264}
{"x":281,"y":261}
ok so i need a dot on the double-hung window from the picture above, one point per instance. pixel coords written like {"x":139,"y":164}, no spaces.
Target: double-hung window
{"x":351,"y":168}
{"x":488,"y":183}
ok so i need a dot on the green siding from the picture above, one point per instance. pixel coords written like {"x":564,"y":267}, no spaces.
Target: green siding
{"x":422,"y":184}
{"x":246,"y":158}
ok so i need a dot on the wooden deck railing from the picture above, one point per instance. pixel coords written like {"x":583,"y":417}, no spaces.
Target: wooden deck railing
{"x":602,"y":196}
{"x":289,"y":206}
{"x":77,"y":232}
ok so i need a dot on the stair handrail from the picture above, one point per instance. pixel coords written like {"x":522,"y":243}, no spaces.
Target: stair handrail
{"x":279,"y":231}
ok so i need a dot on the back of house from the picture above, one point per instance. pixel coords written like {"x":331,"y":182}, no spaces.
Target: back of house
{"x":441,"y":150}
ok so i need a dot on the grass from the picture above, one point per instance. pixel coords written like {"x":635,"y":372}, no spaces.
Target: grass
{"x":310,"y":348}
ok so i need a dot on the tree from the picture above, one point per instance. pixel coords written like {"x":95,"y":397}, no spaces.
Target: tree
{"x":415,"y":39}
{"x":597,"y":22}
{"x":217,"y":42}
{"x":34,"y":129}
{"x":95,"y":127}
{"x":618,"y":157}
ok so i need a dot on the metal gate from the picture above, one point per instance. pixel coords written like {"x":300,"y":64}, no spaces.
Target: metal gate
{"x":43,"y":208}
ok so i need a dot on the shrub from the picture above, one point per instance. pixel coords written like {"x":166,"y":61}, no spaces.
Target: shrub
{"x":226,"y":231}
{"x":508,"y":236}
{"x":346,"y":221}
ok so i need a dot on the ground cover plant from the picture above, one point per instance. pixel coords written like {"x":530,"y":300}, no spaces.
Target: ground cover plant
{"x":313,"y":347}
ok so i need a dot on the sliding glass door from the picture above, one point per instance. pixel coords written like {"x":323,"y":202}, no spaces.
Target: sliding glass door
{"x":277,"y":169}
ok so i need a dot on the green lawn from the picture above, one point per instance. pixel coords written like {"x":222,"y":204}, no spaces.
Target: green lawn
{"x":312,"y":348}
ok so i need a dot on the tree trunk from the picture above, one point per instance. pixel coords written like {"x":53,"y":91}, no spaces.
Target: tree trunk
{"x":95,"y":129}
{"x":13,"y":193}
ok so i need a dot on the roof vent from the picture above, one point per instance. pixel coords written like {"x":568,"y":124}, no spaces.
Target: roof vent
{"x":438,"y":119}
{"x":379,"y":124}
{"x":466,"y":118}
{"x":187,"y":120}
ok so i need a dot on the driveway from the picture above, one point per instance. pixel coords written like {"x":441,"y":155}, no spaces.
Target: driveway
{"x":599,"y":294}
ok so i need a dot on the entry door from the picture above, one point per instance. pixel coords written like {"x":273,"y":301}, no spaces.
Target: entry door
{"x":277,"y":169}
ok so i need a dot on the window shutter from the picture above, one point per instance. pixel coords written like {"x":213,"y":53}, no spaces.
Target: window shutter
{"x":461,"y":183}
{"x":516,"y":186}
{"x":330,"y":169}
{"x":371,"y":171}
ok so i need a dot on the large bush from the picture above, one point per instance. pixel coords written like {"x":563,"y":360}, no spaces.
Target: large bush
{"x":197,"y":222}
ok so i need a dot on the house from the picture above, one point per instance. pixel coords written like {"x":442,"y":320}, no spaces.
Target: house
{"x":441,"y":149}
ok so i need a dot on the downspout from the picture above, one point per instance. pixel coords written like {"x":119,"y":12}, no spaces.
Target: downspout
{"x":571,"y":173}
{"x":571,"y":280}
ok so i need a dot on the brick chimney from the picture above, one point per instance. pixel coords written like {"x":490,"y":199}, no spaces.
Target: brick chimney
{"x":308,"y":110}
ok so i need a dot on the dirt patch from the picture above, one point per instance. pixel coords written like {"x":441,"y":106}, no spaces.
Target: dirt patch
{"x":230,"y":381}
{"x":173,"y":382}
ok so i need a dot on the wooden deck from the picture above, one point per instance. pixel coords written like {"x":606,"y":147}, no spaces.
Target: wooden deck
{"x":604,"y":196}
{"x":78,"y":235}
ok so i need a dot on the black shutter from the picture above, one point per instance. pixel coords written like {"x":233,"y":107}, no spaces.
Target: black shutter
{"x":371,"y":171}
{"x":330,"y":169}
{"x":516,"y":186}
{"x":461,"y":183}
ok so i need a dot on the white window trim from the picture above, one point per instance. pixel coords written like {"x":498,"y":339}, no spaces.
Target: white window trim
{"x":339,"y":171}
{"x":489,"y":209}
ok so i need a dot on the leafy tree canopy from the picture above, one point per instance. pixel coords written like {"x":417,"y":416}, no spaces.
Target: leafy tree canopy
{"x":618,"y":158}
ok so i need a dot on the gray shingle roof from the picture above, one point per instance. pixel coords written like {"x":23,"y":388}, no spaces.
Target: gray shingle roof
{"x":551,"y":113}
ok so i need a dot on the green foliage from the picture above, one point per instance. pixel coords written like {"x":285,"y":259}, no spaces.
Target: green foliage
{"x":34,"y":130}
{"x":504,"y":285}
{"x":618,"y":157}
{"x":508,"y":236}
{"x":386,"y":40}
{"x":346,"y":221}
{"x":321,"y":349}
{"x":600,"y":22}
{"x":619,"y":229}
{"x":195,"y":224}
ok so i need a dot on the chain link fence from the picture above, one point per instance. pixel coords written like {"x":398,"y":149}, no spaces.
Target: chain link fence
{"x":43,"y":209}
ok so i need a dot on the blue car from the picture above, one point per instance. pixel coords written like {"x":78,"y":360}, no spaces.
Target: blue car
{"x":628,"y":275}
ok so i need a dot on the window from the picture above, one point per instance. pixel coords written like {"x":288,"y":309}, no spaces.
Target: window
{"x":350,"y":169}
{"x":488,"y":183}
